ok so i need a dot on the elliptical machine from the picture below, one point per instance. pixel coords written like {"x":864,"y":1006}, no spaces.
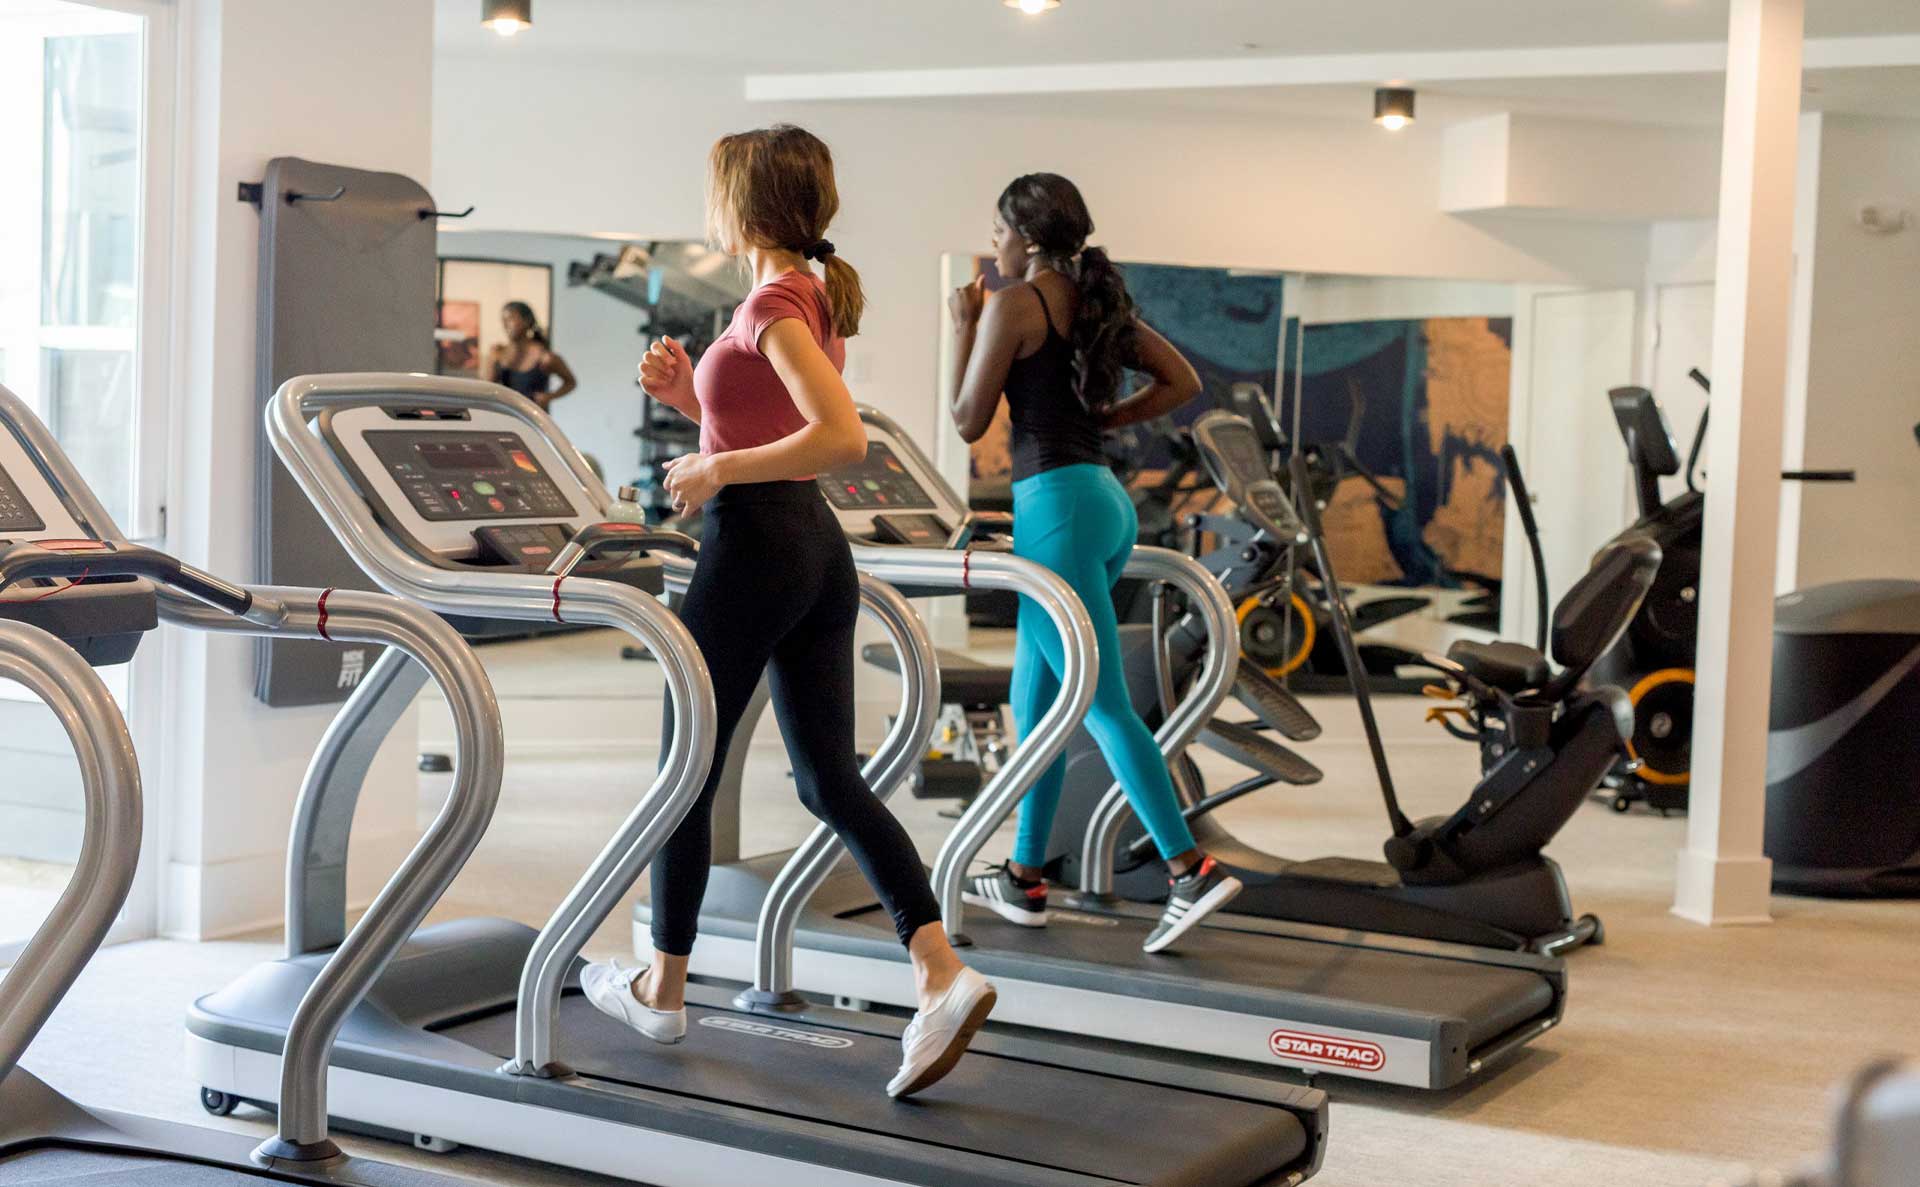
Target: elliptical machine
{"x":1477,"y":876}
{"x":1654,"y":660}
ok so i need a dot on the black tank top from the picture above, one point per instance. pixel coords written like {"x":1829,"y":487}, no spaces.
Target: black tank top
{"x":531,"y":383}
{"x":1051,"y":427}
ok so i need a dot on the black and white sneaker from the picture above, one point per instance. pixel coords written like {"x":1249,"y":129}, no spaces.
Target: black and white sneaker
{"x":1015,"y":901}
{"x":1205,"y":889}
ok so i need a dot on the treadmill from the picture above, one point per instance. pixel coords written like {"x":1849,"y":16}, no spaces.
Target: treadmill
{"x":479,"y":1035}
{"x":1239,"y":991}
{"x":75,"y":593}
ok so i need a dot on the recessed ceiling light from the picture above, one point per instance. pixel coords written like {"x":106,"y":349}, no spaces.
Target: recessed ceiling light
{"x":1032,"y":7}
{"x":506,"y":17}
{"x":1393,"y":107}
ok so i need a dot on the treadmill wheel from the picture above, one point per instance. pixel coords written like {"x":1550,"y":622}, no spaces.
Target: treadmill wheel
{"x":1620,"y":803}
{"x":217,"y":1102}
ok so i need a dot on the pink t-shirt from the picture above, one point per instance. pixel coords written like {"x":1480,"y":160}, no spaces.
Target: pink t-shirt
{"x":742,"y":401}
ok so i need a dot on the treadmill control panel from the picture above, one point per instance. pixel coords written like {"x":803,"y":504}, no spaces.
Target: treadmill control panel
{"x":879,"y":483}
{"x":16,"y":514}
{"x":1232,"y":448}
{"x":468,"y":475}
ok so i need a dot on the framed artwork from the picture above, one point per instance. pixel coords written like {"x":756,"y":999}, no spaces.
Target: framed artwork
{"x":472,"y":292}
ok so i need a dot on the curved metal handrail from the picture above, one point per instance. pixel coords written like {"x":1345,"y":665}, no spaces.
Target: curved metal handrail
{"x":1208,"y":599}
{"x":510,"y":596}
{"x":110,"y":840}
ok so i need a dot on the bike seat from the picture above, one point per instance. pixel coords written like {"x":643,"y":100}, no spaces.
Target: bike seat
{"x":1509,"y":667}
{"x":963,"y":681}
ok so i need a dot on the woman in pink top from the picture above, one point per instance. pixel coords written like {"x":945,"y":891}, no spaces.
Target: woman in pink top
{"x":775,"y":590}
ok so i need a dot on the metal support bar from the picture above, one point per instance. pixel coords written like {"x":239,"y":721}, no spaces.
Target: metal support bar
{"x":322,"y":829}
{"x":109,"y":845}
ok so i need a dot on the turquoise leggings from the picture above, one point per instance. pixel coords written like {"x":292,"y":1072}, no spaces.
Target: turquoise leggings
{"x":1079,"y":522}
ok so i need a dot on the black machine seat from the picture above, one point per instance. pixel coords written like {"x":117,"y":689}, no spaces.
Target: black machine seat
{"x":963,"y":681}
{"x":1594,"y":613}
{"x":1509,"y":667}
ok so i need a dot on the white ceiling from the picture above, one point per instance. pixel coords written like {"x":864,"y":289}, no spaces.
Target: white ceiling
{"x":815,"y":35}
{"x":812,"y":36}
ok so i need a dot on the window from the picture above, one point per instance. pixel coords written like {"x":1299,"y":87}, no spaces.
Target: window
{"x":78,"y":326}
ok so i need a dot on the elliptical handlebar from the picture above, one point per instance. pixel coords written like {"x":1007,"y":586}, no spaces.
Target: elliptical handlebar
{"x":1523,"y":506}
{"x":1309,"y":510}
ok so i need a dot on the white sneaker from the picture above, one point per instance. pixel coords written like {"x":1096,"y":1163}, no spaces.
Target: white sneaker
{"x":610,"y":988}
{"x":937,"y":1037}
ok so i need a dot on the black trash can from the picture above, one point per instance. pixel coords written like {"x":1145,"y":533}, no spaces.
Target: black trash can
{"x":1843,"y":748}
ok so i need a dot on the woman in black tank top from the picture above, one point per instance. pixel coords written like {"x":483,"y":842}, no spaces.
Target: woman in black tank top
{"x":525,"y":362}
{"x":1057,"y":343}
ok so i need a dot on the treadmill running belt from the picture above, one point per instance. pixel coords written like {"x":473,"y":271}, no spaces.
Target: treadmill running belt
{"x":1225,"y":968}
{"x":1033,"y":1113}
{"x":55,"y":1166}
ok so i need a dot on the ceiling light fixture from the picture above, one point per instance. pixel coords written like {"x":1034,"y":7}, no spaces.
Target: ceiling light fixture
{"x":1393,"y":107}
{"x":1032,"y":7}
{"x":506,"y":17}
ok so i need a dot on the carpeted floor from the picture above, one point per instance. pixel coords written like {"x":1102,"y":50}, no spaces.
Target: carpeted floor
{"x":1687,"y":1052}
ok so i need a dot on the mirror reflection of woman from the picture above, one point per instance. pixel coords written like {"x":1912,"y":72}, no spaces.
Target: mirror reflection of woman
{"x":526,"y":362}
{"x":1056,"y":343}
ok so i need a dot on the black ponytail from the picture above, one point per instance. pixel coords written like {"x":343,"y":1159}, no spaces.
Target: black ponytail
{"x":1048,"y":212}
{"x":1103,"y":334}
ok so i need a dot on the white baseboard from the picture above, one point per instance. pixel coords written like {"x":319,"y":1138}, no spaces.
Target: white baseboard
{"x":248,"y":894}
{"x":1718,"y":890}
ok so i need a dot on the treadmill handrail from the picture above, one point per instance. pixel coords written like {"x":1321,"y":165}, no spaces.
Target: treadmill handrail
{"x":110,"y":835}
{"x":1208,"y":600}
{"x":891,"y":764}
{"x":1080,"y":673}
{"x":441,"y":851}
{"x":683,"y":771}
{"x":356,"y":616}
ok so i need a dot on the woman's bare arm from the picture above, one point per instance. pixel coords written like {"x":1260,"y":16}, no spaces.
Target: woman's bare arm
{"x":984,"y":350}
{"x":1173,"y":380}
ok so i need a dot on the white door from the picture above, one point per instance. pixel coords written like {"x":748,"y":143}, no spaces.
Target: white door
{"x":1570,"y":347}
{"x":1683,"y":341}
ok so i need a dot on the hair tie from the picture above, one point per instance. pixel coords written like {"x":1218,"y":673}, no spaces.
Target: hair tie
{"x":819,"y":249}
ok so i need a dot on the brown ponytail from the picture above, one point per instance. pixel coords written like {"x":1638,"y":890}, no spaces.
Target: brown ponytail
{"x":774,"y":188}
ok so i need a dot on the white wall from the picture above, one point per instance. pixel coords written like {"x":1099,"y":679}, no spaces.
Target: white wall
{"x":261,"y":78}
{"x":624,"y":150}
{"x":1854,"y":369}
{"x":1863,"y":357}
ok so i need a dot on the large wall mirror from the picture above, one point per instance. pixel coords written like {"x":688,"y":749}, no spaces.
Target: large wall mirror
{"x":1401,"y":393}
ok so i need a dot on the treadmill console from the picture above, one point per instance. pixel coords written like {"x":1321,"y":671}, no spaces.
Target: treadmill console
{"x":474,"y":487}
{"x":894,"y":495}
{"x":881,"y":482}
{"x":103,"y":618}
{"x":468,"y":475}
{"x":16,"y":514}
{"x":1233,"y":452}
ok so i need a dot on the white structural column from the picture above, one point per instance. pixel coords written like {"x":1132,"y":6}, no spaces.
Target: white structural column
{"x":1724,"y":875}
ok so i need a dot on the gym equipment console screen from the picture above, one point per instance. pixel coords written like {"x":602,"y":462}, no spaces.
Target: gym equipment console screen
{"x":16,"y":514}
{"x":878,"y":482}
{"x":468,"y":475}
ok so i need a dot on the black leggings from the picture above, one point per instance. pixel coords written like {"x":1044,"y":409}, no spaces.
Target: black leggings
{"x":775,"y":592}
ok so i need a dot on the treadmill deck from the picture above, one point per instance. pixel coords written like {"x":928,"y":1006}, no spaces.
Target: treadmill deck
{"x":801,"y":1098}
{"x":1402,"y":1012}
